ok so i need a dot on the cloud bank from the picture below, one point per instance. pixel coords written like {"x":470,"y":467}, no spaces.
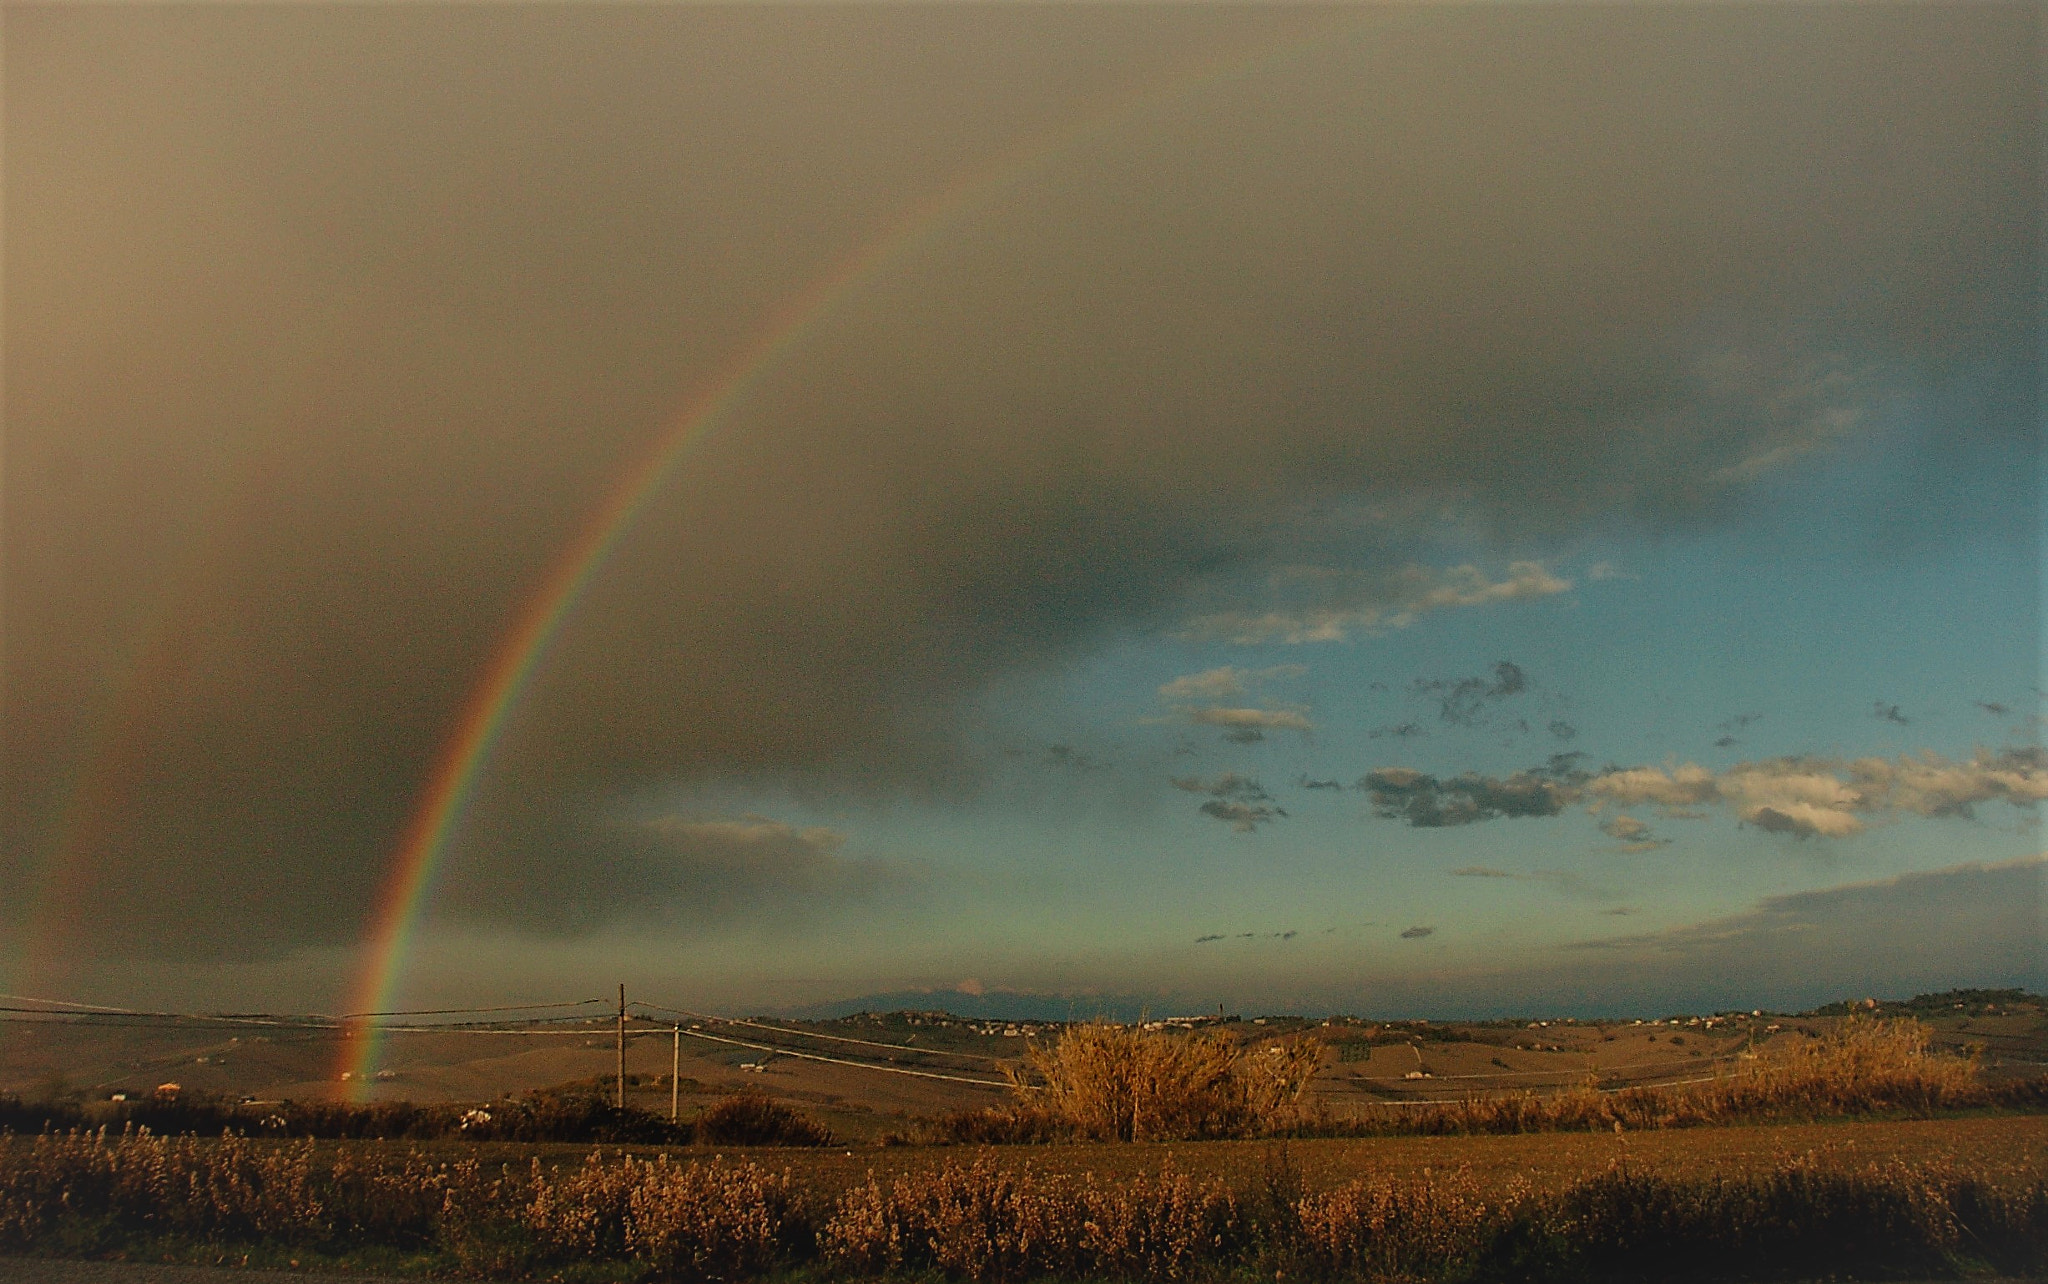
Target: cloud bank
{"x":329,"y":327}
{"x":1806,"y":797}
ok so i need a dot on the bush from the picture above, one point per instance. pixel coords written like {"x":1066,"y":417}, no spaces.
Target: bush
{"x":756,"y":1119}
{"x":1398,"y":1229}
{"x":979,"y":1223}
{"x":1114,"y":1083}
{"x":1012,"y":1125}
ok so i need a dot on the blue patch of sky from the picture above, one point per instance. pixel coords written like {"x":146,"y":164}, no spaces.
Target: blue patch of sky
{"x":1807,"y":608}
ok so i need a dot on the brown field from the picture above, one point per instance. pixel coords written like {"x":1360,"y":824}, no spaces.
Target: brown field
{"x":1990,"y":1145}
{"x":1959,"y":1198}
{"x":1364,"y":1063}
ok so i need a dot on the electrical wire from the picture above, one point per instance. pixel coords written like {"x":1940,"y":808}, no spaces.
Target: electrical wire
{"x":809,"y":1034}
{"x":840,"y":1061}
{"x":510,"y":1007}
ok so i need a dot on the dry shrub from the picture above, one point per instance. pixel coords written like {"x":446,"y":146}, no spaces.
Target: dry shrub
{"x":714,"y":1221}
{"x":1398,"y":1229}
{"x":756,"y":1119}
{"x":1799,"y":1220}
{"x":979,"y":1223}
{"x":1014,"y":1124}
{"x":407,"y":1199}
{"x":1115,"y":1083}
{"x":1859,"y":1067}
{"x":699,"y":1220}
{"x":1866,"y":1065}
{"x":95,"y":1193}
{"x":229,"y":1188}
{"x":581,"y":1213}
{"x":1158,"y":1228}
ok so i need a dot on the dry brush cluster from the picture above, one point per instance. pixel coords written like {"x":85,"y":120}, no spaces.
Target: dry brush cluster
{"x":710,"y":1220}
{"x":1858,"y":1068}
{"x":1120,"y":1084}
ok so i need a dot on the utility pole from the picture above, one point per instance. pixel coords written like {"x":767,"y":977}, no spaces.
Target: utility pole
{"x":675,"y":1075}
{"x":622,"y":1045}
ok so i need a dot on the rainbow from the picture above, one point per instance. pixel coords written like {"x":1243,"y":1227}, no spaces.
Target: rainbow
{"x":396,"y":911}
{"x":116,"y":733}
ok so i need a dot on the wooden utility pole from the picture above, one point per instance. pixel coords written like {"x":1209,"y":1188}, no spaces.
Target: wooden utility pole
{"x":675,"y":1076}
{"x":622,"y":1045}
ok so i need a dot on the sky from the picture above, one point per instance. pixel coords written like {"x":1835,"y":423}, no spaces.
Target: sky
{"x":1404,"y":510}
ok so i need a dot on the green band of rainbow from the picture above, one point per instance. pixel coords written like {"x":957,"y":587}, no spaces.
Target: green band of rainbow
{"x":396,"y":911}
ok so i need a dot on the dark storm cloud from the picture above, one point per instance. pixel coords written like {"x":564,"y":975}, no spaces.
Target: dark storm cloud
{"x":328,"y":326}
{"x":1227,"y":785}
{"x":1427,"y":802}
{"x":1463,"y":702}
{"x":1467,"y":701}
{"x":1237,"y":800}
{"x":1635,"y":836}
{"x":1563,"y":881}
{"x":1242,"y":817}
{"x":1991,"y":910}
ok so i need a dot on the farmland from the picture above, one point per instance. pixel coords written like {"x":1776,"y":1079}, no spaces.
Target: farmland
{"x":1857,"y":1141}
{"x":848,"y":1072}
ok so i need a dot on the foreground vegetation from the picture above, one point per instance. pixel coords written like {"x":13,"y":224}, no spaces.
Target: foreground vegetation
{"x":630,"y":1217}
{"x":432,"y":1207}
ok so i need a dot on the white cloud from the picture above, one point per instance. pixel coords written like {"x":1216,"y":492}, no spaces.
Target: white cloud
{"x":1262,"y":719}
{"x":1211,"y":684}
{"x":1684,"y":786}
{"x":1191,"y":692}
{"x":749,"y":832}
{"x":1333,"y":604}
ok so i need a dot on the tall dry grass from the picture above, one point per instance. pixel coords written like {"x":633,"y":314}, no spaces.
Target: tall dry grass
{"x":984,"y":1222}
{"x":1117,"y":1083}
{"x":1398,"y":1228}
{"x":661,"y":1219}
{"x":1861,"y":1067}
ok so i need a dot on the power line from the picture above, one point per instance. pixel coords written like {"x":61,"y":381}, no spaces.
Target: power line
{"x":510,"y":1007}
{"x":840,"y":1061}
{"x":64,"y":1003}
{"x":811,"y":1034}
